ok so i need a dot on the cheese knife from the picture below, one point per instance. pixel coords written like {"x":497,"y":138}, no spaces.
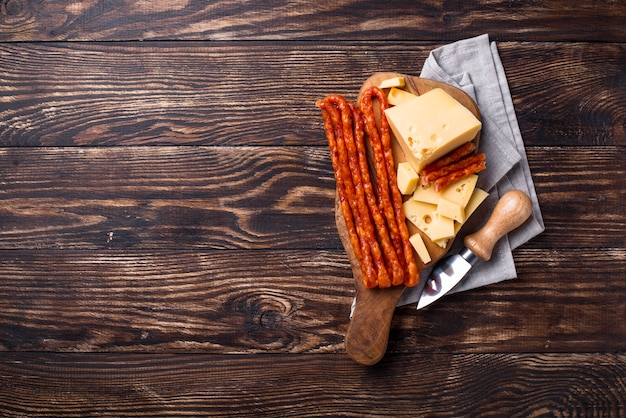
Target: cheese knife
{"x":511,"y":211}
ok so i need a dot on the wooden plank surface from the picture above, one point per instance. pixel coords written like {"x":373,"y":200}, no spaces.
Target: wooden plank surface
{"x":198,"y":93}
{"x":550,"y":20}
{"x":167,"y":236}
{"x":296,"y":302}
{"x":444,"y":384}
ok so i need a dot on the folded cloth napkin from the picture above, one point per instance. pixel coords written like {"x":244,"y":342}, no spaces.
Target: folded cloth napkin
{"x":474,"y":66}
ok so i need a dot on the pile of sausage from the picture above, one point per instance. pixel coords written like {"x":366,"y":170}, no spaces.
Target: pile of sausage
{"x":454,"y":166}
{"x":373,"y":214}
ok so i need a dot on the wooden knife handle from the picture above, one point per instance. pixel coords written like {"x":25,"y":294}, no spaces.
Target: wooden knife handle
{"x":512,"y":210}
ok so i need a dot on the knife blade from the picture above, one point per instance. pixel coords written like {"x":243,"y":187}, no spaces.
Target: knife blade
{"x":511,"y":211}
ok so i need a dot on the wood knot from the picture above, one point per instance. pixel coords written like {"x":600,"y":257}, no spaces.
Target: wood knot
{"x":12,"y":7}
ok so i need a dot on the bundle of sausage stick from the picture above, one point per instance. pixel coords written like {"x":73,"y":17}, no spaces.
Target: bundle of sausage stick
{"x":371,"y":203}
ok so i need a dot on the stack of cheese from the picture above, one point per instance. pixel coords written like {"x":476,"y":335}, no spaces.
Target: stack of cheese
{"x":427,"y":127}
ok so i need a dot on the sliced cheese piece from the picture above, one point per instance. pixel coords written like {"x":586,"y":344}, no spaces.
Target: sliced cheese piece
{"x":425,"y":217}
{"x":460,"y":191}
{"x":418,"y":243}
{"x":430,"y":126}
{"x":407,"y":178}
{"x":396,"y":96}
{"x":426,"y":194}
{"x":477,"y":198}
{"x":451,"y":210}
{"x":442,"y":242}
{"x":392,"y":82}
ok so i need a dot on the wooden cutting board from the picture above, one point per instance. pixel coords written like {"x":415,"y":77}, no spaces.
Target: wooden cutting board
{"x":368,"y":333}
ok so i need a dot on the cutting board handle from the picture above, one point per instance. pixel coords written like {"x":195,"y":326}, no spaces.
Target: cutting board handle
{"x":368,"y":332}
{"x":512,"y":210}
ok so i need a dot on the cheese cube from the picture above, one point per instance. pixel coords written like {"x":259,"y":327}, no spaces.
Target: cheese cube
{"x":392,"y":82}
{"x":425,"y":217}
{"x":451,"y":210}
{"x":430,"y":126}
{"x":396,"y":96}
{"x":418,"y":243}
{"x":426,"y":194}
{"x":460,"y":191}
{"x":407,"y":178}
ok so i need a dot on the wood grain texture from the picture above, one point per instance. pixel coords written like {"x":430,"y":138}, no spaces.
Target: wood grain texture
{"x":99,"y":20}
{"x":447,"y":385}
{"x":167,"y":239}
{"x":197,"y":93}
{"x":252,"y":197}
{"x":242,"y":302}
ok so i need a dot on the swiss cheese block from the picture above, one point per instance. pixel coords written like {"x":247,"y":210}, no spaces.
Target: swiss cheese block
{"x":407,"y":178}
{"x":396,"y":96}
{"x":425,"y":217}
{"x":418,"y":243}
{"x":392,"y":82}
{"x":430,"y":126}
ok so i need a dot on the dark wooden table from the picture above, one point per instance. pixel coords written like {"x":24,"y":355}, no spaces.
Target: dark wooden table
{"x":167,"y":237}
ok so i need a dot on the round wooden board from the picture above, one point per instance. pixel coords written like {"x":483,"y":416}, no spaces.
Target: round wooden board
{"x":368,"y":333}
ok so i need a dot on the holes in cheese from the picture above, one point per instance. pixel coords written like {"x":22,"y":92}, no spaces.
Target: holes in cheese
{"x":426,"y":194}
{"x":440,"y":215}
{"x":425,"y":217}
{"x":460,"y":191}
{"x":430,"y":126}
{"x":407,"y":178}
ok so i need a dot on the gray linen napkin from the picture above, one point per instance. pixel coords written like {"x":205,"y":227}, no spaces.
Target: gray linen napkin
{"x":474,"y":66}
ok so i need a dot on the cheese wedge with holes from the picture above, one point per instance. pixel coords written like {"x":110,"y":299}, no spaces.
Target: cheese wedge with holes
{"x":461,"y":190}
{"x":430,"y":126}
{"x":425,"y":217}
{"x":426,"y":194}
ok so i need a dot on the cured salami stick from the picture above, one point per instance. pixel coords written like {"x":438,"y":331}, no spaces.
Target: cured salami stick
{"x":442,"y":182}
{"x":364,"y":221}
{"x":412,"y":272}
{"x":341,"y":191}
{"x":334,"y":135}
{"x":454,"y":156}
{"x":445,"y":171}
{"x":393,"y":264}
{"x":382,"y":179}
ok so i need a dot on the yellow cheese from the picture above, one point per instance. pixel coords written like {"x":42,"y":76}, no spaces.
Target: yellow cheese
{"x":407,"y":178}
{"x":460,"y":191}
{"x":451,"y":210}
{"x":425,"y":217}
{"x":430,"y":126}
{"x":443,"y":242}
{"x":426,"y":194}
{"x":418,"y":243}
{"x":396,"y":96}
{"x":392,"y":82}
{"x":477,"y":198}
